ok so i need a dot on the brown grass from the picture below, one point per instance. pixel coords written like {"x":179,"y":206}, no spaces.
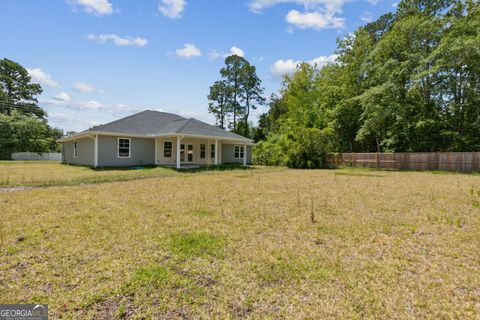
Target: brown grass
{"x":51,"y":173}
{"x":242,"y":245}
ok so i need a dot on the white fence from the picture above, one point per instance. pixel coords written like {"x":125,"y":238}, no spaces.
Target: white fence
{"x":52,"y":156}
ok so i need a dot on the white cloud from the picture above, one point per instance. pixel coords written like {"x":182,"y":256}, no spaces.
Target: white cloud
{"x":314,"y":20}
{"x":258,"y":6}
{"x":172,"y":8}
{"x":374,"y":2}
{"x":89,"y":105}
{"x":83,"y":87}
{"x":366,"y":17}
{"x":117,"y":40}
{"x":98,"y":7}
{"x":318,"y":14}
{"x":63,"y":100}
{"x":283,"y":67}
{"x":237,"y":51}
{"x":42,"y":77}
{"x":214,"y":54}
{"x":62,"y":96}
{"x":189,"y":50}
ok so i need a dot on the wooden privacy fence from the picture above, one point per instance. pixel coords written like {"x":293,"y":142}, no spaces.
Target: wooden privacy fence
{"x":448,"y":161}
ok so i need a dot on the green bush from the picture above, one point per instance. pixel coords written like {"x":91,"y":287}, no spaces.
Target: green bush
{"x":305,"y":148}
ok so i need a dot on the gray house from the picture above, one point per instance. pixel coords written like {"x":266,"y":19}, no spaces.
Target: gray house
{"x":155,"y":138}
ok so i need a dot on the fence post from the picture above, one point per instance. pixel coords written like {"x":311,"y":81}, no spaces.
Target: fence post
{"x":378,"y":159}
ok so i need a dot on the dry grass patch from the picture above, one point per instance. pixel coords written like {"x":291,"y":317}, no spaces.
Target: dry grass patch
{"x":50,"y":173}
{"x":243,"y":245}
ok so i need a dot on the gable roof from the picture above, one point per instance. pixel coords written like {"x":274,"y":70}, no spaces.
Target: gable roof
{"x":151,"y":123}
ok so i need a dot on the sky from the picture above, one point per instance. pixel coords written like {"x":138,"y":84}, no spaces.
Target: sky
{"x":100,"y":60}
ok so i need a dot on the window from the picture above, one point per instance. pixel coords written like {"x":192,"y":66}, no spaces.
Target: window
{"x":189,"y":153}
{"x":182,"y":152}
{"x":212,"y":151}
{"x":75,"y":151}
{"x":167,"y":149}
{"x":239,"y":152}
{"x":123,"y":147}
{"x":203,"y":150}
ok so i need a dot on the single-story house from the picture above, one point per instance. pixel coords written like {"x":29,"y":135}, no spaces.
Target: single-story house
{"x":155,"y":138}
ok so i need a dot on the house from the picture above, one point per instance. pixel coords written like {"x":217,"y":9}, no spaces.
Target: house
{"x":155,"y":138}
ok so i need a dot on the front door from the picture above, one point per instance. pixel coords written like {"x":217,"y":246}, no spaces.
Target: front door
{"x":186,"y":156}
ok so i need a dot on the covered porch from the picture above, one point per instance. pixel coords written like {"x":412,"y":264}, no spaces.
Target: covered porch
{"x":182,"y":151}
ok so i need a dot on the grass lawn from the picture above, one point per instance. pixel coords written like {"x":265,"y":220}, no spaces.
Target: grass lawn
{"x":51,"y":173}
{"x":242,"y":244}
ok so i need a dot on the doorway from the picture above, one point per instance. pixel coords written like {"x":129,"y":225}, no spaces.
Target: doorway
{"x":186,"y":156}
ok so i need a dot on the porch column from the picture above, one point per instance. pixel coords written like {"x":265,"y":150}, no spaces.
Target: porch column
{"x":178,"y":151}
{"x":156,"y":152}
{"x":244,"y":154}
{"x":95,"y":152}
{"x":216,"y":151}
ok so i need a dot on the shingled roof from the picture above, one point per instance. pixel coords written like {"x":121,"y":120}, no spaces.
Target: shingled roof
{"x":154,"y":123}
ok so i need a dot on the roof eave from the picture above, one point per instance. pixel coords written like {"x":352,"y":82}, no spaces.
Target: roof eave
{"x":92,"y":133}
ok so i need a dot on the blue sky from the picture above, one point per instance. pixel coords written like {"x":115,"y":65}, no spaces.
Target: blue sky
{"x":99,"y":60}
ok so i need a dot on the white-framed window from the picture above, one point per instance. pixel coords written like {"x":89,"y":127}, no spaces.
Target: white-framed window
{"x":203,"y":150}
{"x":75,"y":150}
{"x":238,"y":152}
{"x":167,"y":149}
{"x":124,"y":147}
{"x":212,"y":151}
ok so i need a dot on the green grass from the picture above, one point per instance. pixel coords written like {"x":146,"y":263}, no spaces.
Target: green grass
{"x":241,"y":245}
{"x":197,"y":244}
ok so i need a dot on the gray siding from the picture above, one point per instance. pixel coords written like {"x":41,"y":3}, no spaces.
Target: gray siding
{"x":228,"y":154}
{"x":142,"y":152}
{"x":85,"y":152}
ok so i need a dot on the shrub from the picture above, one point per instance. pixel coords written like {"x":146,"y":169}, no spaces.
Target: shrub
{"x":305,"y":148}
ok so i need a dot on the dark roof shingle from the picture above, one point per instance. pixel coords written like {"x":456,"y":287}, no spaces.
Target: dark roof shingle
{"x":155,"y":123}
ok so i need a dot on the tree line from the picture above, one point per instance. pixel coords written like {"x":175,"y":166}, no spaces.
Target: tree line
{"x":23,"y":124}
{"x":407,"y":82}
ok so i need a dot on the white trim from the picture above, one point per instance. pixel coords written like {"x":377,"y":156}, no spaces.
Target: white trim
{"x":156,"y":151}
{"x":75,"y":151}
{"x":244,"y":154}
{"x":129,"y":148}
{"x":95,"y":152}
{"x":216,"y":151}
{"x":178,"y":151}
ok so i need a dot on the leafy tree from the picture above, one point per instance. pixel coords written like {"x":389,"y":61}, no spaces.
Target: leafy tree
{"x":251,"y":92}
{"x":236,"y":94}
{"x":20,"y":133}
{"x":17,"y":91}
{"x":269,"y":122}
{"x":219,"y":98}
{"x":409,"y":81}
{"x":233,"y":75}
{"x":23,"y":124}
